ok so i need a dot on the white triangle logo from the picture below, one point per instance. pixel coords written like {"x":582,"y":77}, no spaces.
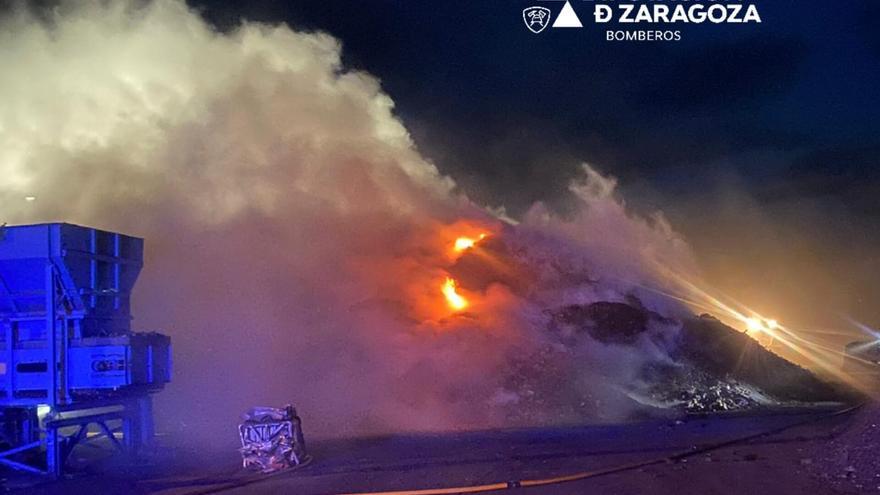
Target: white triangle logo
{"x":567,"y":18}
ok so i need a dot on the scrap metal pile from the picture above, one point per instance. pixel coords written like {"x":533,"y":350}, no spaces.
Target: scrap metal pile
{"x":720,"y":396}
{"x":711,"y":366}
{"x":696,"y":391}
{"x":271,"y":439}
{"x":627,"y":351}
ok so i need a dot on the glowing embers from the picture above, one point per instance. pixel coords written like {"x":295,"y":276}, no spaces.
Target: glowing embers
{"x":464,"y":243}
{"x":453,"y":299}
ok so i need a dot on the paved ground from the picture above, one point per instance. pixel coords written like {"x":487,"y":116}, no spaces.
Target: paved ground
{"x":778,"y":464}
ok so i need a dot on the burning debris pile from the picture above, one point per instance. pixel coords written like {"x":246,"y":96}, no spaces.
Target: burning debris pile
{"x":666,"y":358}
{"x":354,"y":273}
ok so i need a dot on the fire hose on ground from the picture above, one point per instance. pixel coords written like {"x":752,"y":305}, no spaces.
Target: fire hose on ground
{"x":558,"y":479}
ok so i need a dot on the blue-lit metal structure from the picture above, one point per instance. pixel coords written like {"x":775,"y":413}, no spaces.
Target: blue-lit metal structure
{"x":71,"y":369}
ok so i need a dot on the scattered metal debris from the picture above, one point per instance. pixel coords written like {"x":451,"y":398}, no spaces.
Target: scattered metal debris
{"x":693,"y":390}
{"x":720,"y":396}
{"x":271,"y":439}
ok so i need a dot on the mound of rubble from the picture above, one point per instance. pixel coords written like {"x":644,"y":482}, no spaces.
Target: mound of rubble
{"x":708,"y":366}
{"x":607,"y":322}
{"x":722,"y":351}
{"x":596,"y":359}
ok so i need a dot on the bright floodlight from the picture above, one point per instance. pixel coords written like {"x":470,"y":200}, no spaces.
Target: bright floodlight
{"x":754,"y":325}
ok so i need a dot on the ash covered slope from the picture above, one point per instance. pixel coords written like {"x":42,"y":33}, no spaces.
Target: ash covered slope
{"x":722,"y":351}
{"x":704,"y":365}
{"x":603,"y":350}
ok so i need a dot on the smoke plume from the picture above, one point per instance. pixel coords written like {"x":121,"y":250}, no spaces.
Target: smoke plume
{"x":297,"y":241}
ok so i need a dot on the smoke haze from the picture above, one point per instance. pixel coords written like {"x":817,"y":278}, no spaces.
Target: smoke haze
{"x":296,"y":238}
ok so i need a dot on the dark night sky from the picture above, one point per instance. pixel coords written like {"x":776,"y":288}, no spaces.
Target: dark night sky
{"x":777,"y":120}
{"x":790,"y":105}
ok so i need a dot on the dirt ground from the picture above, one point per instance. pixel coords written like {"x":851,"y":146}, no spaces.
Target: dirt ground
{"x":812,"y":454}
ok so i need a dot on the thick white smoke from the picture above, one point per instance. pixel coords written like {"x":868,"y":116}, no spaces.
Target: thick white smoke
{"x":290,"y":221}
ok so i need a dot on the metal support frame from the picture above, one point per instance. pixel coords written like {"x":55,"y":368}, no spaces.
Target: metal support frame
{"x":135,"y":414}
{"x":51,"y":334}
{"x":7,"y":294}
{"x":124,"y":417}
{"x":20,"y":466}
{"x":136,"y":431}
{"x":58,"y":446}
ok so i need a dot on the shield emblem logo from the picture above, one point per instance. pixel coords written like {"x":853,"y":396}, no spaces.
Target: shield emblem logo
{"x":536,"y":18}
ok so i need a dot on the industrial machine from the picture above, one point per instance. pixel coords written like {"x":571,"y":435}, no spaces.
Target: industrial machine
{"x":71,"y":370}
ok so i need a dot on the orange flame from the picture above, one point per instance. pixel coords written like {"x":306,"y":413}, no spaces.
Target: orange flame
{"x":454,"y":300}
{"x":463,"y":243}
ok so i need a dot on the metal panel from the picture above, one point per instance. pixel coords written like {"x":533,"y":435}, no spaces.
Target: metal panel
{"x":97,"y":272}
